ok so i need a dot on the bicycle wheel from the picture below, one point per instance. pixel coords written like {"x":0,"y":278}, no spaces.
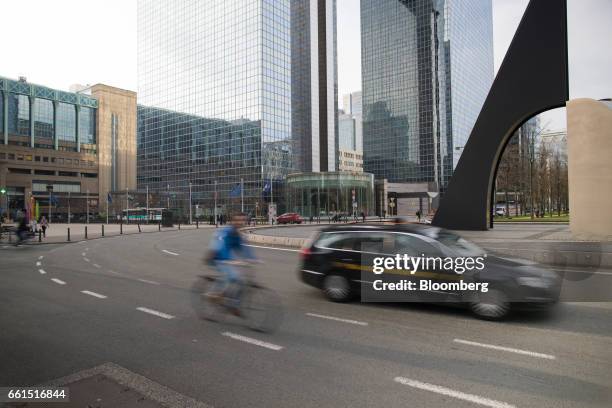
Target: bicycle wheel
{"x":262,"y":308}
{"x":204,"y":308}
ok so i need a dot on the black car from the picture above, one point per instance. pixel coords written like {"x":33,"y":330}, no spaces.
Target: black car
{"x":339,"y":261}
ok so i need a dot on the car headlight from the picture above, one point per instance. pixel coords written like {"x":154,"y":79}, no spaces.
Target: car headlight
{"x":532,"y":282}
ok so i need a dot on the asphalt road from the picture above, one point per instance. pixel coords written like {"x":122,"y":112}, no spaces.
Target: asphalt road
{"x":126,"y":300}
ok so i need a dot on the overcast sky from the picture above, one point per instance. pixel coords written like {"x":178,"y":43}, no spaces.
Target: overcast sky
{"x":63,"y":42}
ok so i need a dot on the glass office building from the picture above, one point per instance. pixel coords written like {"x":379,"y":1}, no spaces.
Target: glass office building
{"x":427,"y":66}
{"x":214,"y":84}
{"x":314,"y":84}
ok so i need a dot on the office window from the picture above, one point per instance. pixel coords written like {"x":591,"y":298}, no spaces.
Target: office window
{"x":43,"y":118}
{"x":87,"y":125}
{"x":19,"y":115}
{"x":66,"y":122}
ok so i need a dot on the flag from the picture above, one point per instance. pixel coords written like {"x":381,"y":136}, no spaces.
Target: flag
{"x":53,"y":200}
{"x":236,"y":191}
{"x":267,"y":187}
{"x":109,"y":199}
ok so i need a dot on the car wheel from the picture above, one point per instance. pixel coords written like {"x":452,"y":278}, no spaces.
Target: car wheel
{"x":336,"y":288}
{"x":492,"y":305}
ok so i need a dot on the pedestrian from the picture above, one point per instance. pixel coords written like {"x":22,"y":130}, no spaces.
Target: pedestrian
{"x":363,"y":216}
{"x":44,"y":224}
{"x":418,"y":215}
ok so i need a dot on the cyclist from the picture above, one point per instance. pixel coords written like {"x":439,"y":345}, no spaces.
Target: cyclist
{"x":225,"y":249}
{"x":22,"y":228}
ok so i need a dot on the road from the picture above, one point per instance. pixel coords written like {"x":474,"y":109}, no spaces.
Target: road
{"x":126,"y":300}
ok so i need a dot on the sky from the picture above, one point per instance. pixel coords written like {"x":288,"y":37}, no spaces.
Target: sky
{"x":64,"y":42}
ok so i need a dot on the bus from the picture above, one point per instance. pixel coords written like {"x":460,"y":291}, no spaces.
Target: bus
{"x":139,"y":215}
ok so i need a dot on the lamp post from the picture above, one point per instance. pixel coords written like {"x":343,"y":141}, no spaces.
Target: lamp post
{"x":87,"y":204}
{"x":190,"y":209}
{"x":215,"y":210}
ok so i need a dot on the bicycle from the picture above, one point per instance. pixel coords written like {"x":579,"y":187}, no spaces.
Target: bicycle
{"x":260,"y":307}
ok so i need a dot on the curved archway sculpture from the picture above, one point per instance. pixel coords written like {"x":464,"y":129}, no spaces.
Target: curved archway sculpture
{"x":533,"y":78}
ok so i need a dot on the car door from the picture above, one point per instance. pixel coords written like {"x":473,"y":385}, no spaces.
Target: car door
{"x":431,"y":258}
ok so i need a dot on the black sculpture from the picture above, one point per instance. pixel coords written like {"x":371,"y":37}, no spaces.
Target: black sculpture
{"x":533,"y":78}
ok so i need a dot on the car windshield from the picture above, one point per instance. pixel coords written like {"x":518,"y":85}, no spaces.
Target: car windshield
{"x":459,"y":245}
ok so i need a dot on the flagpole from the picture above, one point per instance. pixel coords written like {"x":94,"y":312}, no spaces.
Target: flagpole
{"x":147,"y":203}
{"x":242,"y":195}
{"x":215,"y":211}
{"x":87,"y":204}
{"x":107,"y":210}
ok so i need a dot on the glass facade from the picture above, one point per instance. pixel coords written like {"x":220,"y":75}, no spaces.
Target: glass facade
{"x":19,"y":115}
{"x":215,"y":87}
{"x":87,"y":125}
{"x":66,"y":122}
{"x":427,"y":66}
{"x":326,"y":194}
{"x":314,"y":85}
{"x":43,"y":118}
{"x":49,"y":114}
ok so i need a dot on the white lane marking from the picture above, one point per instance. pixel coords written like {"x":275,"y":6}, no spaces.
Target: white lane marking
{"x":148,"y":281}
{"x":169,"y":252}
{"x":452,"y":393}
{"x":58,"y":281}
{"x":83,"y":254}
{"x":96,"y":265}
{"x":38,"y":263}
{"x":155,"y":313}
{"x":508,"y":349}
{"x":114,"y":272}
{"x":82,"y":242}
{"x":337,"y":319}
{"x":86,"y":249}
{"x":86,"y":259}
{"x":251,"y":340}
{"x":276,"y":249}
{"x":94,"y":294}
{"x":312,"y":272}
{"x":42,"y":271}
{"x":41,"y":257}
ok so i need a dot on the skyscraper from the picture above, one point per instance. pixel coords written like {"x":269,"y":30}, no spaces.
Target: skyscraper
{"x":314,"y":84}
{"x":214,"y":88}
{"x":427,"y":66}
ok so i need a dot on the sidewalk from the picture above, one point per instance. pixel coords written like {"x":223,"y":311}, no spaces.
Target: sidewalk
{"x":60,"y":233}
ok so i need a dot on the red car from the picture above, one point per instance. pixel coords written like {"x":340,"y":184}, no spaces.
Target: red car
{"x":289,"y":218}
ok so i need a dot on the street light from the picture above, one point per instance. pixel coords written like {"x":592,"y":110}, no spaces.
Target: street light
{"x":190,"y":210}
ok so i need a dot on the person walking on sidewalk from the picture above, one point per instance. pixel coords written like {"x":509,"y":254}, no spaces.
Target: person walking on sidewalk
{"x":44,"y":224}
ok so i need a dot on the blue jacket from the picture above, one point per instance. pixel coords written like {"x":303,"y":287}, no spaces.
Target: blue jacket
{"x":227,"y":244}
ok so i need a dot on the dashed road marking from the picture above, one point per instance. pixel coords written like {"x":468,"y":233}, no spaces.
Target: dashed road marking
{"x":40,"y":257}
{"x":42,"y":271}
{"x":452,"y":393}
{"x":170,"y":252}
{"x":38,"y":263}
{"x":83,"y":254}
{"x":149,"y":281}
{"x":86,"y":259}
{"x":508,"y":349}
{"x":58,"y":281}
{"x":96,"y":265}
{"x":155,"y":313}
{"x":276,"y":249}
{"x":94,"y":294}
{"x":113,"y":272}
{"x":337,"y":319}
{"x":251,"y":340}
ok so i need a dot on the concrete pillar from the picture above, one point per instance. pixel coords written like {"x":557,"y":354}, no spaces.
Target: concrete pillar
{"x":589,"y":143}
